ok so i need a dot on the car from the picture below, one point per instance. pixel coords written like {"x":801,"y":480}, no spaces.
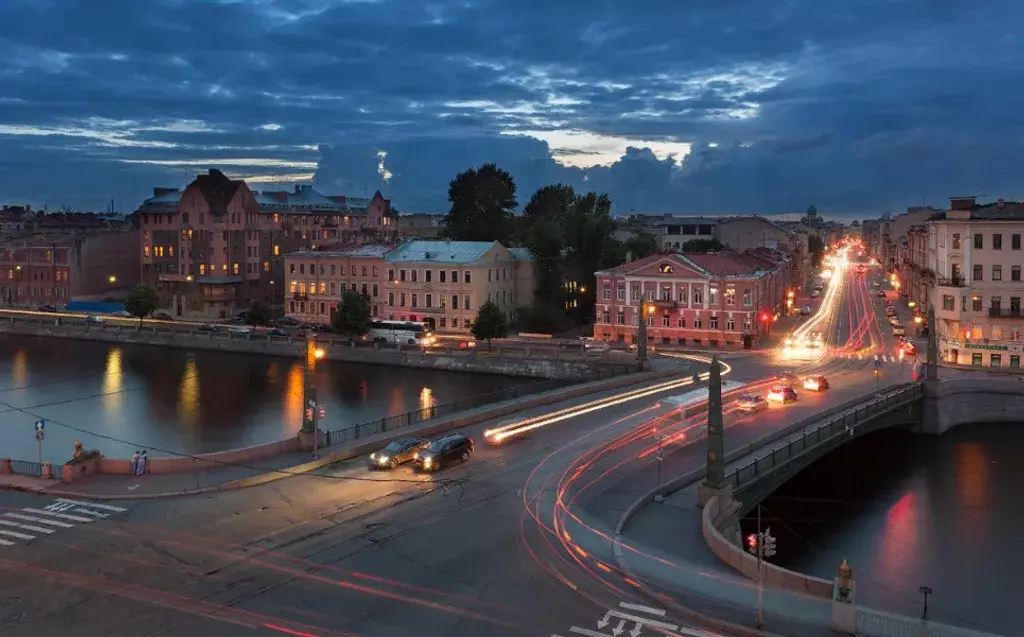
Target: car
{"x":815,"y":294}
{"x":881,"y":294}
{"x":92,"y":318}
{"x":122,"y":314}
{"x":894,"y":320}
{"x":751,"y":403}
{"x":782,"y":394}
{"x":816,"y":383}
{"x":397,"y":452}
{"x":207,"y":328}
{"x":898,"y":331}
{"x":909,"y":349}
{"x":277,"y":332}
{"x":890,"y":311}
{"x":805,"y":310}
{"x":46,"y":307}
{"x":162,"y":316}
{"x":287,"y":321}
{"x":245,"y":330}
{"x":444,"y":451}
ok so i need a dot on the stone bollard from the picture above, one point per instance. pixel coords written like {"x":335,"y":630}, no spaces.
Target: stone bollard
{"x":5,"y":466}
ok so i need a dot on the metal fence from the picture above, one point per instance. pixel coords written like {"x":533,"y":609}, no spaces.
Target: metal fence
{"x":26,"y":468}
{"x":874,"y":624}
{"x":829,"y":432}
{"x":409,"y":418}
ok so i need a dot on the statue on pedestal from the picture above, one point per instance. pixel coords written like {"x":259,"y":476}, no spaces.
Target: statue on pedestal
{"x":844,"y":583}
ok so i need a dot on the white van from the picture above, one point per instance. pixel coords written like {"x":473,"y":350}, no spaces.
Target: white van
{"x":241,"y":329}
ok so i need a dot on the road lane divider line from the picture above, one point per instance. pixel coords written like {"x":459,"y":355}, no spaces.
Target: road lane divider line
{"x":37,"y":529}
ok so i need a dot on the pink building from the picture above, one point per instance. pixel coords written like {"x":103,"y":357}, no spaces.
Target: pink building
{"x":214,"y":248}
{"x":711,"y":299}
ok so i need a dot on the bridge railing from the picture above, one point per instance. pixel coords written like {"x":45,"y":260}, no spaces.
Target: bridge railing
{"x":842,"y":424}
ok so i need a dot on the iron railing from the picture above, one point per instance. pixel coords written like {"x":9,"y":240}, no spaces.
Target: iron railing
{"x":835,"y":426}
{"x":871,"y":624}
{"x":409,"y":418}
{"x":27,"y":468}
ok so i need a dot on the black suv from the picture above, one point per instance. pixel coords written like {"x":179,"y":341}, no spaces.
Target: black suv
{"x":397,"y":452}
{"x":444,"y":451}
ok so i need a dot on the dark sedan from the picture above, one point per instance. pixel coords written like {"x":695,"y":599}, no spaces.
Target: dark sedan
{"x":398,"y":452}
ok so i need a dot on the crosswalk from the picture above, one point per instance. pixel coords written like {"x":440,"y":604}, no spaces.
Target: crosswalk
{"x":30,"y":523}
{"x":885,"y":359}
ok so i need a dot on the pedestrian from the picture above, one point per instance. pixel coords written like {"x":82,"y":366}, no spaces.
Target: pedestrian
{"x":143,"y":462}
{"x":135,"y":463}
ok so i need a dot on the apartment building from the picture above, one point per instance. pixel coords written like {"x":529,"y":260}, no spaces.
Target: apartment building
{"x":441,"y":283}
{"x":975,"y":255}
{"x":212,"y":249}
{"x":702,"y":299}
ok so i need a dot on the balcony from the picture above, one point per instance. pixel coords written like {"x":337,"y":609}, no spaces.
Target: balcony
{"x":663,"y":305}
{"x":1004,"y":312}
{"x":951,"y":282}
{"x":298,"y":296}
{"x":428,"y":310}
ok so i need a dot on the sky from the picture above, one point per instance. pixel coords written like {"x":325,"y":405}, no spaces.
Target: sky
{"x":697,"y":106}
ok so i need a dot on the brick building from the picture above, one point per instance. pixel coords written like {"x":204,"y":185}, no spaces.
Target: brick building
{"x":212,"y":249}
{"x":705,"y":299}
{"x":56,"y":268}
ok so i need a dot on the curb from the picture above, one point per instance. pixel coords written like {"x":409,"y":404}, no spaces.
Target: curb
{"x":684,"y":481}
{"x":338,"y":456}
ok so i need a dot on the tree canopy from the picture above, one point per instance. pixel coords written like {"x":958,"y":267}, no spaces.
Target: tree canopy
{"x":709,"y":244}
{"x":352,"y":318}
{"x":259,"y":313}
{"x":141,"y":301}
{"x":483,"y":204}
{"x":490,"y":323}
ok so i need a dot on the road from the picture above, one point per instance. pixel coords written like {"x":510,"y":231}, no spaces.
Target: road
{"x":499,"y":546}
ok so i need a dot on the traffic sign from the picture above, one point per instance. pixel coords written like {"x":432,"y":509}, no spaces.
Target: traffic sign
{"x":40,"y":425}
{"x":878,"y":363}
{"x":40,"y":435}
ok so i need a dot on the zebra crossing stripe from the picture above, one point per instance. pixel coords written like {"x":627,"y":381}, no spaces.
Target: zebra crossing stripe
{"x":62,"y":516}
{"x":6,"y":543}
{"x":94,"y":505}
{"x":95,"y":514}
{"x":38,"y":529}
{"x":15,"y":534}
{"x":29,"y":518}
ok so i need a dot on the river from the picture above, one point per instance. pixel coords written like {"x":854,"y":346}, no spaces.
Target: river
{"x":908,"y":511}
{"x":179,"y":401}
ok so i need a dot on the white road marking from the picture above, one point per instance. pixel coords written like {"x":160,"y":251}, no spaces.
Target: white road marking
{"x":20,"y":536}
{"x":92,"y":513}
{"x":38,"y":529}
{"x":641,"y":608}
{"x":587,"y":632}
{"x":6,"y":543}
{"x":640,"y":620}
{"x":29,"y":518}
{"x":63,"y":516}
{"x":94,"y":505}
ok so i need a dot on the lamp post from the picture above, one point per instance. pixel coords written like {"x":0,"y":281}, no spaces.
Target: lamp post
{"x":310,"y":407}
{"x":762,"y":545}
{"x":926,"y":591}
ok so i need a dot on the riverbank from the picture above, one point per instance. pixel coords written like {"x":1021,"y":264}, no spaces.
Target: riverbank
{"x":540,"y":363}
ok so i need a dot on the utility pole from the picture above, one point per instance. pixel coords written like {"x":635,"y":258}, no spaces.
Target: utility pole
{"x":761,"y":545}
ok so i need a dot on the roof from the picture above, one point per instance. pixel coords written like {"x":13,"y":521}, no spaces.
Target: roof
{"x":711,"y":264}
{"x":217,"y":189}
{"x":365,"y":252}
{"x":461,"y":252}
{"x":521,"y":254}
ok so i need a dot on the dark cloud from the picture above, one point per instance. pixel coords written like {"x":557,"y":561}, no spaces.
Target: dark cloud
{"x":860,"y":107}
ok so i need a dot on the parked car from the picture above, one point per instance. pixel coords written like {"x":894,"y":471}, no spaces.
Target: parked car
{"x":241,"y":330}
{"x":751,"y":403}
{"x":398,"y":452}
{"x":122,"y":314}
{"x":46,"y":307}
{"x":207,"y":328}
{"x":92,"y":318}
{"x":782,"y":394}
{"x":898,"y":331}
{"x":815,"y":294}
{"x":444,"y":451}
{"x":816,"y":383}
{"x":162,"y":316}
{"x":881,"y":293}
{"x":277,"y":332}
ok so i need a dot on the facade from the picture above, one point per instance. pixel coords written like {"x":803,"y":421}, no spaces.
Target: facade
{"x":421,"y":226}
{"x":918,"y":277}
{"x":441,"y":283}
{"x":703,"y":299}
{"x":215,"y":247}
{"x":753,"y":232}
{"x":976,"y":255}
{"x":53,"y":269}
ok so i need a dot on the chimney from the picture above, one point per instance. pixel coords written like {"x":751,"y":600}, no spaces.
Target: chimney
{"x":629,"y":256}
{"x":961,"y":203}
{"x":1000,"y":203}
{"x":297,"y":187}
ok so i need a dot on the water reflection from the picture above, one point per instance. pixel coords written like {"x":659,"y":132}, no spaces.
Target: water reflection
{"x":188,"y":394}
{"x":426,"y":398}
{"x":293,"y":395}
{"x":113,"y":383}
{"x":19,"y":369}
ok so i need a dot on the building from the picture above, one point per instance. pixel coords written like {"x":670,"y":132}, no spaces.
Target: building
{"x":441,"y":283}
{"x":711,"y":299}
{"x":215,"y":247}
{"x":55,"y":268}
{"x":421,"y":226}
{"x":751,"y":232}
{"x":918,"y":277}
{"x":975,"y":253}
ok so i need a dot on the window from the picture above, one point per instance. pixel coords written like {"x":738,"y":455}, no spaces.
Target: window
{"x":401,"y":300}
{"x":665,"y":321}
{"x":748,"y":299}
{"x":997,"y":272}
{"x":713,"y":323}
{"x":995,"y":360}
{"x":606,"y":317}
{"x":391,"y":299}
{"x":426,"y":275}
{"x":730,"y":325}
{"x":956,"y":241}
{"x":465,"y":303}
{"x":455,"y":300}
{"x":606,"y":292}
{"x":401,"y":275}
{"x":666,"y":294}
{"x":342,"y":270}
{"x":467,"y":277}
{"x":414,"y":274}
{"x":234,"y":268}
{"x":429,"y":300}
{"x":975,"y":359}
{"x":681,"y":322}
{"x":997,"y":242}
{"x":712,"y":297}
{"x":391,"y":275}
{"x":621,"y":318}
{"x":650,"y":321}
{"x":697,"y":323}
{"x":333,"y":269}
{"x":620,"y":293}
{"x":948,"y":302}
{"x":698,"y":297}
{"x":979,"y":241}
{"x":277,"y":251}
{"x":1015,"y":242}
{"x":334,"y":288}
{"x":996,"y":303}
{"x":634,"y":293}
{"x":302,"y":268}
{"x":1015,"y":273}
{"x":978,"y":272}
{"x":441,"y":300}
{"x":976,"y":304}
{"x":266,"y":266}
{"x":364,"y":271}
{"x":489,"y":275}
{"x":455,"y":276}
{"x":441,"y":276}
{"x":375,"y":293}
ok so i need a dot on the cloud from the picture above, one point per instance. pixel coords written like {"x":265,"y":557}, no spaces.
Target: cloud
{"x":716,"y":108}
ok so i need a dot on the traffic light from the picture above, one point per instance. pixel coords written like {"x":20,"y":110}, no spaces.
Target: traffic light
{"x":321,"y":413}
{"x":752,"y":544}
{"x":309,"y":413}
{"x":764,"y":317}
{"x":769,"y":544}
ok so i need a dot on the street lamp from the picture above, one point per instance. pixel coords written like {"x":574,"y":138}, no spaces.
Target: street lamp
{"x":112,"y":279}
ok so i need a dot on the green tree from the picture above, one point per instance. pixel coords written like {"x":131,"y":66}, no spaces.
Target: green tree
{"x":710,"y":244}
{"x":483,"y":206}
{"x":490,"y":323}
{"x":259,"y":313}
{"x":141,"y":301}
{"x":352,"y":318}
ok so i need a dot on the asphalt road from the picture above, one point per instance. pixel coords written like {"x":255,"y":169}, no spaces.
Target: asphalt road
{"x":479,"y":549}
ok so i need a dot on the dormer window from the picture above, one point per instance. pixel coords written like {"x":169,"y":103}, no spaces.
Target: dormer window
{"x":666,"y":268}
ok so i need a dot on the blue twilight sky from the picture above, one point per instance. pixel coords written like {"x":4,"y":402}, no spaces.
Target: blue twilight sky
{"x":698,"y":106}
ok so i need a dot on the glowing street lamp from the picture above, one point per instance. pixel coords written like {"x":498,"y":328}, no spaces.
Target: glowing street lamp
{"x":112,"y":279}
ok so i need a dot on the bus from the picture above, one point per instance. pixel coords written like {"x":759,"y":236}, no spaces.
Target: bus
{"x":401,"y":333}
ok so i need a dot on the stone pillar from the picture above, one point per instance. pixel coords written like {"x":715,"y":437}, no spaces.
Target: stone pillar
{"x":844,"y":612}
{"x":5,"y":466}
{"x":641,"y":333}
{"x":931,"y":366}
{"x":714,"y":482}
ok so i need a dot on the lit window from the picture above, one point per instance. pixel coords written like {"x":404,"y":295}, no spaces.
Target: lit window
{"x":277,"y":250}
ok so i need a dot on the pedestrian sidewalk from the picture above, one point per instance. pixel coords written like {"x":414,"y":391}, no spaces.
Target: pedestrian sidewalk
{"x":663,"y":547}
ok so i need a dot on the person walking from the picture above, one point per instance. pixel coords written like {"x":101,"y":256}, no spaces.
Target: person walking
{"x":135,"y":463}
{"x":143,"y":462}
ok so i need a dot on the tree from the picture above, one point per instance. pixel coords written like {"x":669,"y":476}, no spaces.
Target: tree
{"x":483,"y":206}
{"x":141,"y":301}
{"x":352,"y":317}
{"x":259,"y":313}
{"x":490,"y":323}
{"x":642,"y":245}
{"x":703,"y":245}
